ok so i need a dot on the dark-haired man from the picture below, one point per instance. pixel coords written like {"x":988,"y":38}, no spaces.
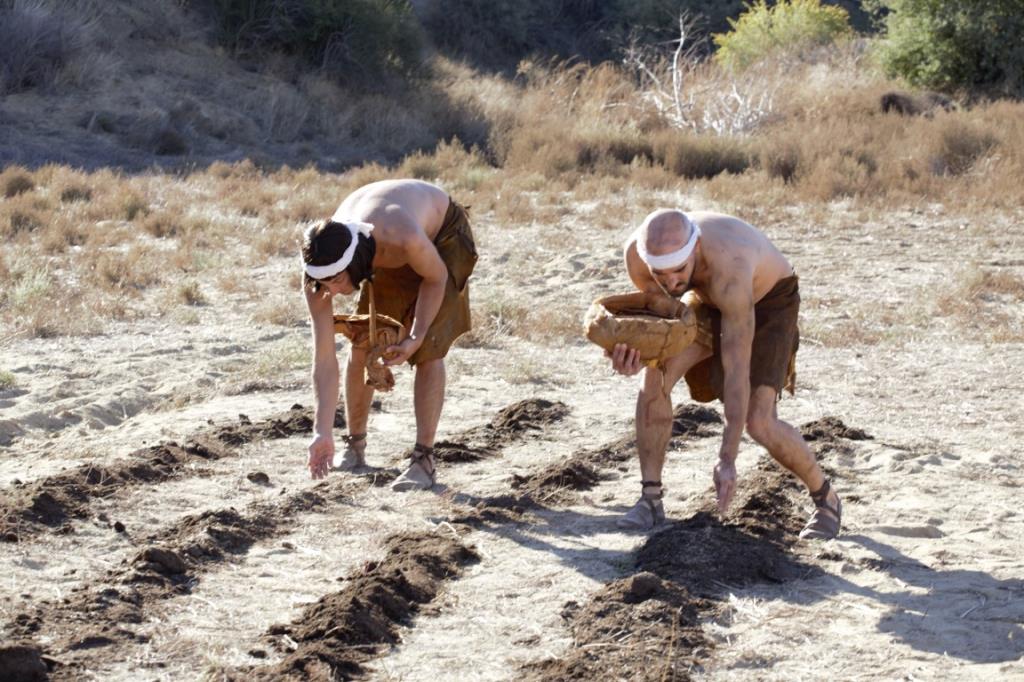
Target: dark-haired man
{"x":416,"y":246}
{"x":745,"y":354}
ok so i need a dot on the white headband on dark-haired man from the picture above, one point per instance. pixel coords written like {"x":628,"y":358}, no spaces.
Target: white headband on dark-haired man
{"x":355,"y":228}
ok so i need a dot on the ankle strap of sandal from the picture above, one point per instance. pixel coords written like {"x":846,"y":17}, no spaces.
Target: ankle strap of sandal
{"x":419,"y":451}
{"x":820,"y":496}
{"x":423,"y":455}
{"x":652,"y":484}
{"x":354,"y":438}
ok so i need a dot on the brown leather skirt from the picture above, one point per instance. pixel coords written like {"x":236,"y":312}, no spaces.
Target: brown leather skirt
{"x":773,"y":355}
{"x":396,"y":289}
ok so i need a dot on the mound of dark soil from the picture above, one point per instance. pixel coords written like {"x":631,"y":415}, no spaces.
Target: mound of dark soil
{"x":494,"y":511}
{"x":831,"y":429}
{"x":340,"y":632}
{"x":511,"y":424}
{"x":91,"y":622}
{"x":689,"y":419}
{"x":52,"y":501}
{"x":22,"y":663}
{"x":647,"y":626}
{"x":455,"y":452}
{"x":581,"y":471}
{"x":533,"y":414}
{"x":637,"y":628}
{"x":557,"y":483}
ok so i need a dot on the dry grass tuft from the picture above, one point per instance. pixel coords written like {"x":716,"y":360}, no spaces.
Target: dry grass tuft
{"x":75,"y":193}
{"x":15,"y":180}
{"x":132,"y":206}
{"x":696,"y":156}
{"x":190,"y":293}
{"x":282,"y":310}
{"x":957,"y":145}
{"x":987,"y":302}
{"x":131,"y":270}
{"x":161,"y":225}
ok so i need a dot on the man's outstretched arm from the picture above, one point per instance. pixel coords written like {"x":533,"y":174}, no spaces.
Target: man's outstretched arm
{"x":738,"y":319}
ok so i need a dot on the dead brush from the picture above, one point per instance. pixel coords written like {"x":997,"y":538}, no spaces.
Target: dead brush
{"x":131,"y":206}
{"x":131,"y":270}
{"x":691,"y":94}
{"x":700,"y":156}
{"x":62,"y":233}
{"x":554,"y":149}
{"x":986,"y":303}
{"x":15,"y":180}
{"x":24,"y":214}
{"x":162,"y":225}
{"x":190,"y":293}
{"x":956,"y":145}
{"x":75,"y":193}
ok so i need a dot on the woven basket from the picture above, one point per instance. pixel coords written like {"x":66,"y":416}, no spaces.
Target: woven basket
{"x":657,"y":326}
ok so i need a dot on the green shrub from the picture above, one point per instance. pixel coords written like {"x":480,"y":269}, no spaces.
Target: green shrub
{"x":789,"y":25}
{"x":949,"y":44}
{"x":355,"y":41}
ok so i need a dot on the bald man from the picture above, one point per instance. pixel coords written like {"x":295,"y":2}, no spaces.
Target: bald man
{"x":744,"y":356}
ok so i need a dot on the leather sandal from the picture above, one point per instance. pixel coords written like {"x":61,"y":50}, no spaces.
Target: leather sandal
{"x":825,"y":521}
{"x":648,"y":512}
{"x":421,"y":473}
{"x":355,"y":453}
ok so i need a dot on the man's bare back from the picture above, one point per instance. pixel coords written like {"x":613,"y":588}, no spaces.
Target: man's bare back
{"x":395,"y":208}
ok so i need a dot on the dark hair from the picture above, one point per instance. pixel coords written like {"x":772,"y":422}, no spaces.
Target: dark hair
{"x":325,"y":242}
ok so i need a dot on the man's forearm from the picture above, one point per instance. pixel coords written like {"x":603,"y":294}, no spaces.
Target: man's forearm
{"x":428,"y":303}
{"x":735,"y":399}
{"x":325,"y":389}
{"x":735,"y":402}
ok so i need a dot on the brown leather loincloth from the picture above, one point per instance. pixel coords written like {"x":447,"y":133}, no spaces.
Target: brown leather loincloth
{"x":396,"y":289}
{"x":773,"y":354}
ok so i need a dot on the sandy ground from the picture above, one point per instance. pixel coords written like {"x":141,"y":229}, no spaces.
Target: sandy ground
{"x":923,"y":584}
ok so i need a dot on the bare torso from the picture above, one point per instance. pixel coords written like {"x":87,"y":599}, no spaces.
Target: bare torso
{"x":735,"y":258}
{"x":397,"y":209}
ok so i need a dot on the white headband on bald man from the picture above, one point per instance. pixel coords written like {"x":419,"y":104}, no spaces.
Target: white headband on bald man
{"x":355,"y":228}
{"x":668,"y":261}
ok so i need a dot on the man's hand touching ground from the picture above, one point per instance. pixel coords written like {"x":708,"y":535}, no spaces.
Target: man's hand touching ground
{"x":625,"y":360}
{"x":321,"y":456}
{"x":725,"y":484}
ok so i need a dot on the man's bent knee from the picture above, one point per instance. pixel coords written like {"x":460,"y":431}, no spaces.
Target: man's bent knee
{"x":762,"y":428}
{"x":429,"y":365}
